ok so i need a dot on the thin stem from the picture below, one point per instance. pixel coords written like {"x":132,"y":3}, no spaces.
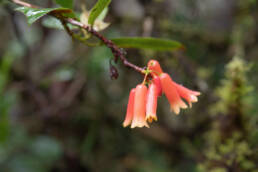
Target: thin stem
{"x":24,"y":4}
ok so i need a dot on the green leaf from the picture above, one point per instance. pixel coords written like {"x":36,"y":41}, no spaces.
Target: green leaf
{"x":97,"y":10}
{"x":34,"y":14}
{"x":65,"y":3}
{"x":147,"y":43}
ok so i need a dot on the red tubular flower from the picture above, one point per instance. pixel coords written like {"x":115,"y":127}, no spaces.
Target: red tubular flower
{"x":189,"y":95}
{"x":129,"y":112}
{"x":155,"y":67}
{"x":151,"y":105}
{"x":156,"y":81}
{"x":170,"y":90}
{"x":139,"y":109}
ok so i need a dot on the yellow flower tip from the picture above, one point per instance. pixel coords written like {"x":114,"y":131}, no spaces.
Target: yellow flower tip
{"x":150,"y":118}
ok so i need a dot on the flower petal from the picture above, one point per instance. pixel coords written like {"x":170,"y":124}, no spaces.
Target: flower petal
{"x":129,"y":112}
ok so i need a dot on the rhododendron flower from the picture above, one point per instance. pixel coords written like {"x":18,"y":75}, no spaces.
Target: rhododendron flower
{"x":129,"y":112}
{"x":139,"y":109}
{"x":189,"y":95}
{"x":142,"y":103}
{"x":155,"y":67}
{"x":151,"y":105}
{"x":170,"y":90}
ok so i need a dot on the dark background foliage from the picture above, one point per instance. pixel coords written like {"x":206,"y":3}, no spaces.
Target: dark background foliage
{"x":60,"y":111}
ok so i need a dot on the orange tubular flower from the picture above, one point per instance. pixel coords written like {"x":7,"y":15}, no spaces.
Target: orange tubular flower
{"x":156,"y":81}
{"x":189,"y":95}
{"x":155,"y":67}
{"x":139,"y":109}
{"x":129,"y":112}
{"x":170,"y":90}
{"x":151,"y":105}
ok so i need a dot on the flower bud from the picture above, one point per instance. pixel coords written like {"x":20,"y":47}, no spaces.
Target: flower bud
{"x":155,"y":67}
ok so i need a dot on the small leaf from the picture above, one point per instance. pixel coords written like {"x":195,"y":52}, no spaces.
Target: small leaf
{"x":34,"y":14}
{"x":65,"y":3}
{"x":147,"y":43}
{"x":97,"y":10}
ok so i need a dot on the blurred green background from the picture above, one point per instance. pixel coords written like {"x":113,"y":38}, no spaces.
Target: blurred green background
{"x":61,"y":112}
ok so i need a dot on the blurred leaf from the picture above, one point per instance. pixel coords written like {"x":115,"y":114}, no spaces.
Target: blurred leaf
{"x":33,"y":14}
{"x":65,"y":3}
{"x":53,"y":23}
{"x":147,"y":43}
{"x":98,"y":61}
{"x":47,"y":149}
{"x":97,"y":10}
{"x":6,"y":99}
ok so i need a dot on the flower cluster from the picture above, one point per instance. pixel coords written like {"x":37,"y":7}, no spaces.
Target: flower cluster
{"x":142,"y":104}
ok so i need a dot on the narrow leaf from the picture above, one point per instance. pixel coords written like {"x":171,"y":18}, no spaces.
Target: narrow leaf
{"x":97,"y":10}
{"x":147,"y":43}
{"x":34,"y":14}
{"x":65,"y":3}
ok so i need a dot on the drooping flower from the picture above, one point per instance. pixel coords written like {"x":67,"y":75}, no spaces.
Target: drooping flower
{"x":155,"y":67}
{"x":142,"y":104}
{"x":151,"y":105}
{"x":129,"y":112}
{"x":189,"y":95}
{"x":170,"y":90}
{"x":139,"y":110}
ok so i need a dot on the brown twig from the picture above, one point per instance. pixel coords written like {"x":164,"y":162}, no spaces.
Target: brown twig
{"x":117,"y":52}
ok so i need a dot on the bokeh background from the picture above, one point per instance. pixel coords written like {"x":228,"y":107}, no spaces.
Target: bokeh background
{"x":61,"y":112}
